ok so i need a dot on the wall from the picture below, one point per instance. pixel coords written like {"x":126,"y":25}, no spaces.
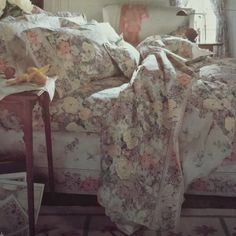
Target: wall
{"x":231,"y":19}
{"x":92,"y":8}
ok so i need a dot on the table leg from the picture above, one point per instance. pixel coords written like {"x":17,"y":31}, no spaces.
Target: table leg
{"x":28,"y":139}
{"x":44,"y":102}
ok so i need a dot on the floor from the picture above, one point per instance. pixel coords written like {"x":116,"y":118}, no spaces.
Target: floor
{"x":91,"y":221}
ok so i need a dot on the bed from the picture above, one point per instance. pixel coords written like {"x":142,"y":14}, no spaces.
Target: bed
{"x":123,"y":116}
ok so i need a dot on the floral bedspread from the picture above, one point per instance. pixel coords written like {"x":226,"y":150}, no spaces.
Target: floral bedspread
{"x":170,"y":122}
{"x":169,"y":125}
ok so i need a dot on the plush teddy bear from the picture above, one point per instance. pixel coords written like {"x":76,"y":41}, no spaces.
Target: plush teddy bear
{"x":191,"y":34}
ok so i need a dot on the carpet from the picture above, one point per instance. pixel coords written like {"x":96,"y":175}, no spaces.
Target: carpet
{"x":91,"y":221}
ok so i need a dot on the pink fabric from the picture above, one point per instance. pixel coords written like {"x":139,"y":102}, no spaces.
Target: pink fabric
{"x":131,"y":20}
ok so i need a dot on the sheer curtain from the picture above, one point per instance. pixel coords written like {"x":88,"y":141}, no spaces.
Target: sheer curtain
{"x":221,"y":34}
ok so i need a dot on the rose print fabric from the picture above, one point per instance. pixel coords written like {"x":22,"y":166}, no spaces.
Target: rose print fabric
{"x":169,"y":127}
{"x":75,"y":53}
{"x":164,"y":127}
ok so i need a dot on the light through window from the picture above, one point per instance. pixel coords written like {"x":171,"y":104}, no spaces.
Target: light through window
{"x":204,"y":21}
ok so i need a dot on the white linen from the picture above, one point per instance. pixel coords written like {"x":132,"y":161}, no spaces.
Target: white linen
{"x":6,"y":89}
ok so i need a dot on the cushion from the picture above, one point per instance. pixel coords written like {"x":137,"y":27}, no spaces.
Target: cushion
{"x":12,"y":47}
{"x":125,"y":56}
{"x":184,"y":47}
{"x":76,"y":55}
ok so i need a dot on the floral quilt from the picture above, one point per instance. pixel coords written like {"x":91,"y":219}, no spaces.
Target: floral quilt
{"x":170,"y":125}
{"x":169,"y":121}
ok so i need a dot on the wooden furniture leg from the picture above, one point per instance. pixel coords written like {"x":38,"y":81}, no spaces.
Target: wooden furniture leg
{"x":44,"y":102}
{"x":22,"y":105}
{"x":28,"y":139}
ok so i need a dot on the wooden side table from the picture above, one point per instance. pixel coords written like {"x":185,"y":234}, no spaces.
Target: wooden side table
{"x":22,"y":104}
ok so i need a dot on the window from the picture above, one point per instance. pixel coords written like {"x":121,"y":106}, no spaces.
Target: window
{"x":204,"y":20}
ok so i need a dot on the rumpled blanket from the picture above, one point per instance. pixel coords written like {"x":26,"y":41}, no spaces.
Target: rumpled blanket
{"x":173,"y":122}
{"x":170,"y":125}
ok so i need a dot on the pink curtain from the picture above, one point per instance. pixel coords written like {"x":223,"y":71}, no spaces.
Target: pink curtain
{"x":221,"y":34}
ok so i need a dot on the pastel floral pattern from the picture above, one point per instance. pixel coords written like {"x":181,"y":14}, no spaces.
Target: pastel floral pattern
{"x":125,"y":55}
{"x":184,"y":47}
{"x":76,"y":56}
{"x":155,"y":151}
{"x":73,"y":47}
{"x":147,"y":151}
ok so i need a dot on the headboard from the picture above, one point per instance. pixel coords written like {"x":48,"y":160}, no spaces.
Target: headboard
{"x":138,"y":21}
{"x":92,"y":8}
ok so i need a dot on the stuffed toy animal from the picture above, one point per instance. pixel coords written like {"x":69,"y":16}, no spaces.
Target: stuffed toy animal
{"x":33,"y":75}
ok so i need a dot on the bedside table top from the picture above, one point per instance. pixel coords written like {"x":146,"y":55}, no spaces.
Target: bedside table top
{"x":209,"y":46}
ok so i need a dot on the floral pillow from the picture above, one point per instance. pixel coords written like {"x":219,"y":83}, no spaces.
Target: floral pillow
{"x":12,"y":47}
{"x":125,"y":56}
{"x":77,"y":56}
{"x":184,"y":47}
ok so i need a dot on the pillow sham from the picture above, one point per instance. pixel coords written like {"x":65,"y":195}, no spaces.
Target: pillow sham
{"x":184,"y":47}
{"x":125,"y":56}
{"x":76,"y":55}
{"x":13,"y":48}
